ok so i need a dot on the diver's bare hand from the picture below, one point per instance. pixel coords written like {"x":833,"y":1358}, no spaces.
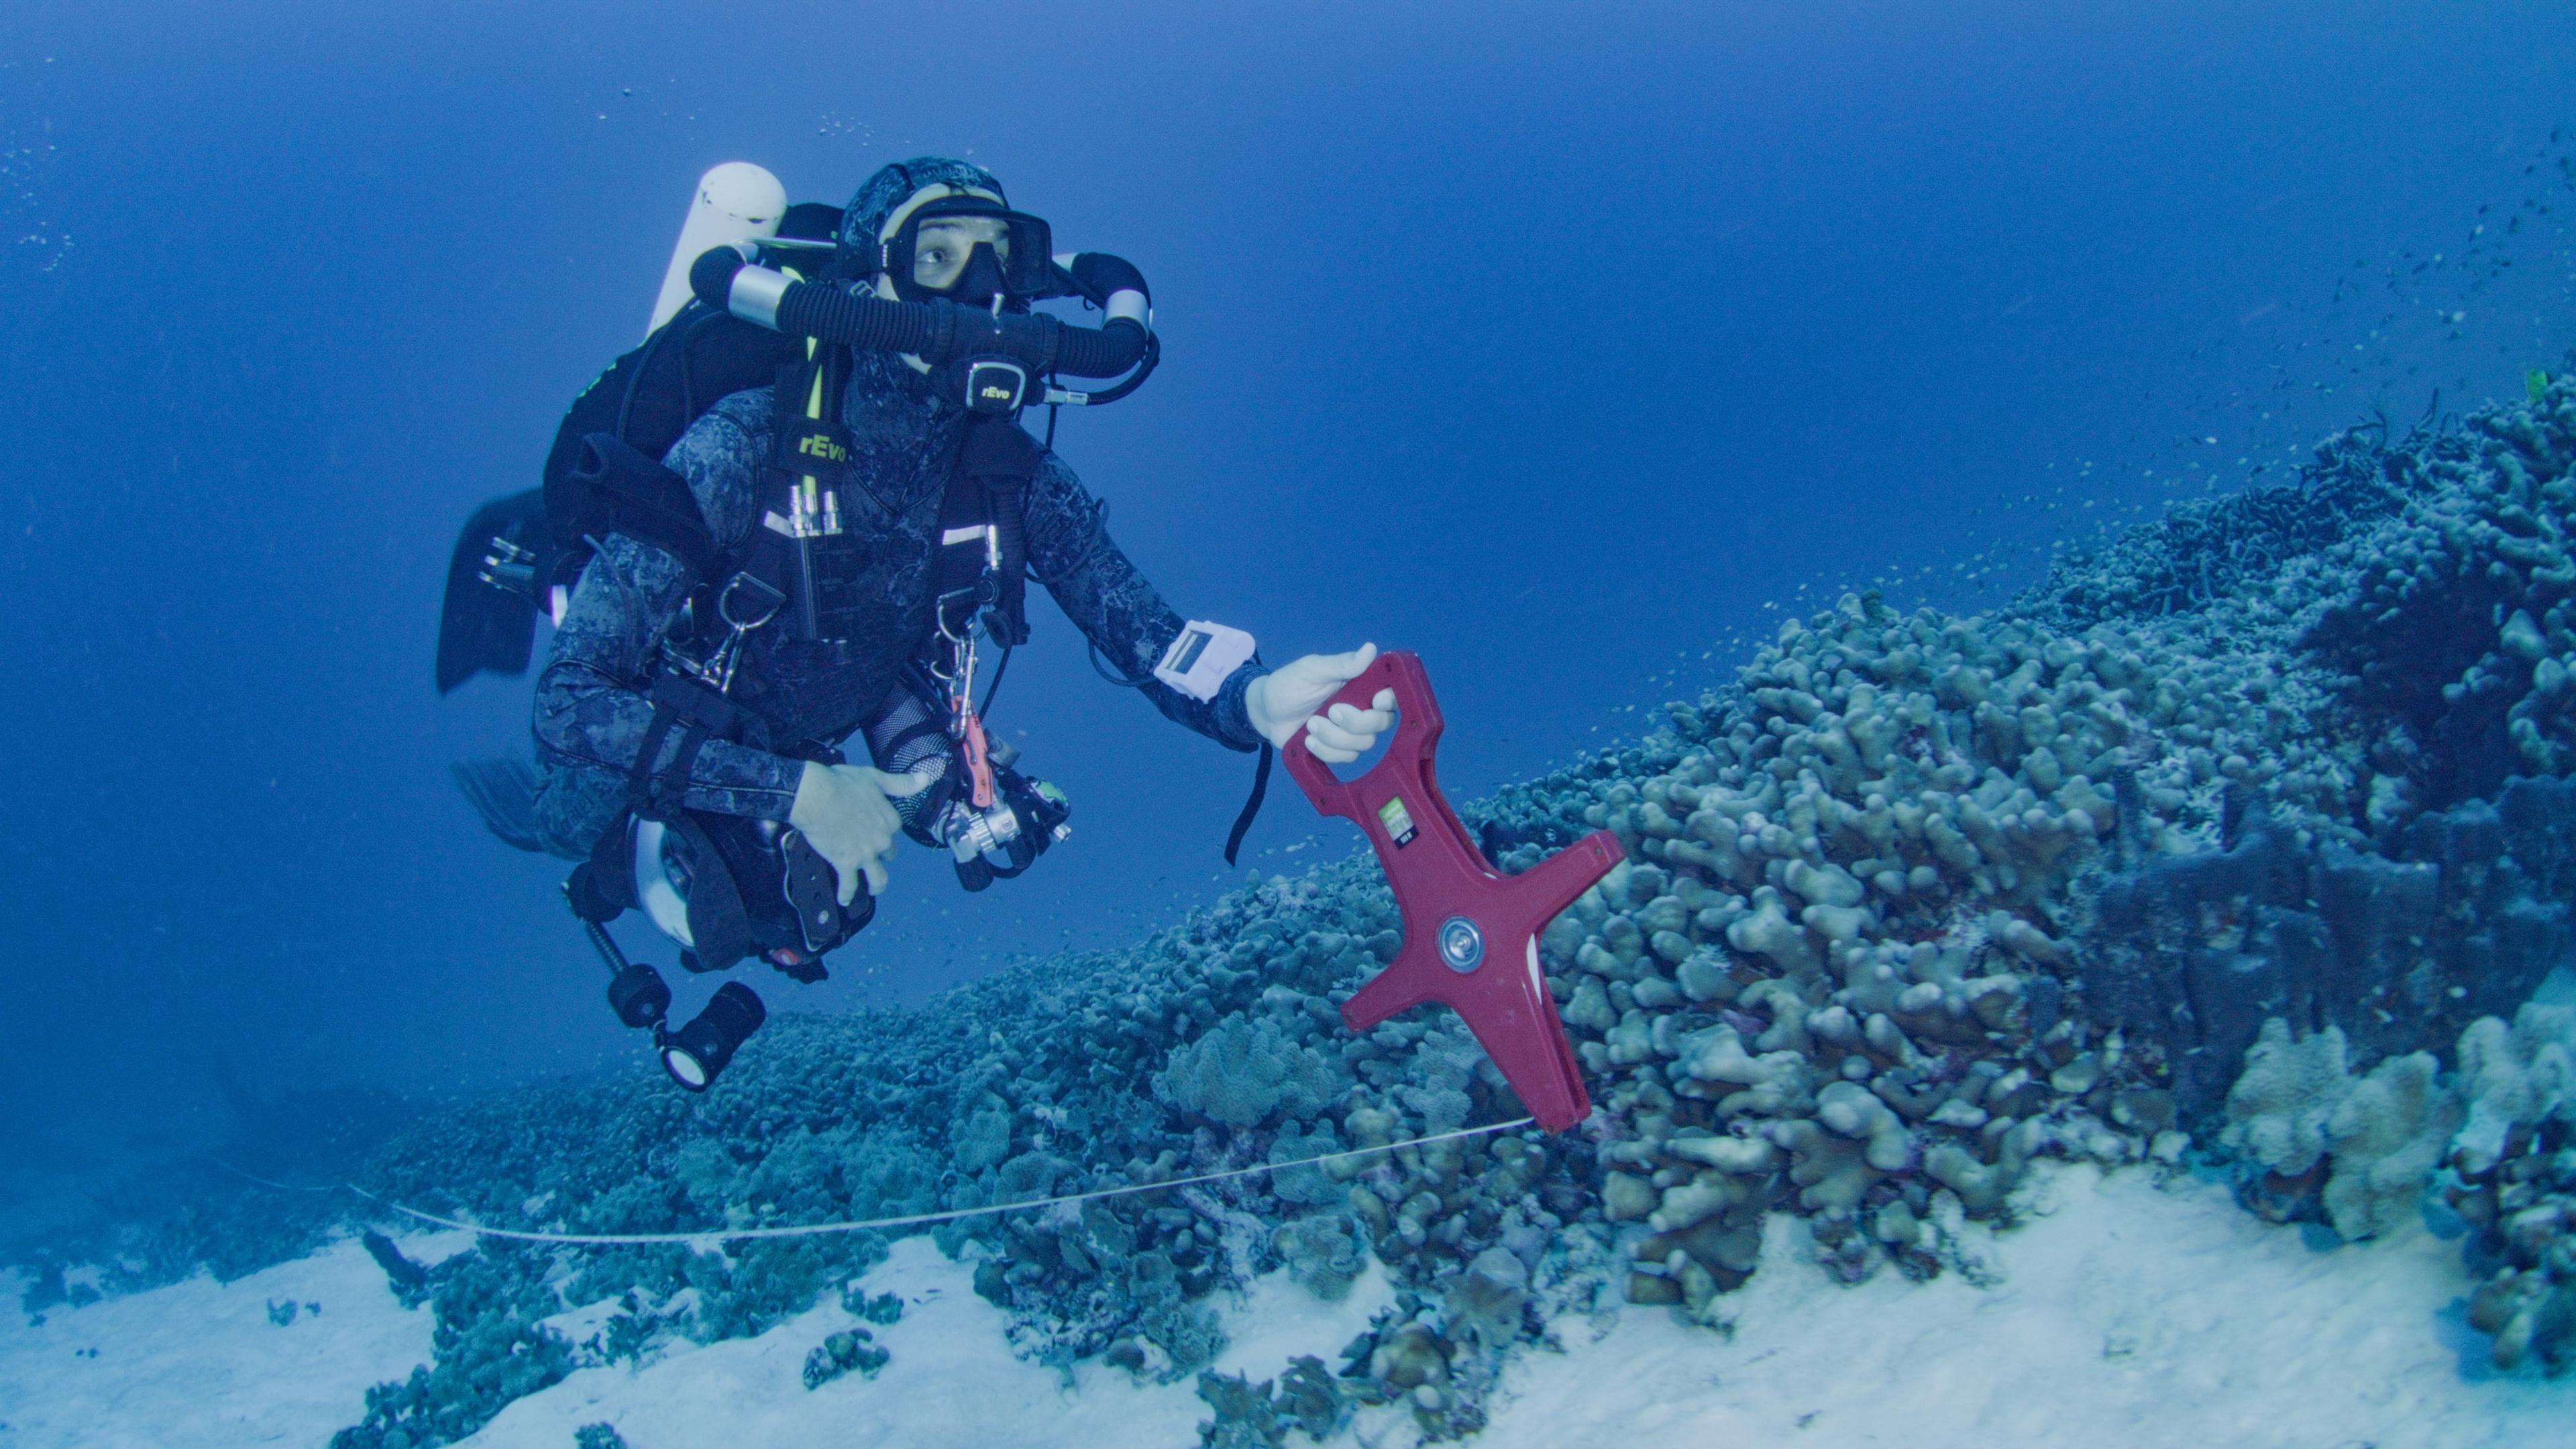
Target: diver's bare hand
{"x":847,"y":815}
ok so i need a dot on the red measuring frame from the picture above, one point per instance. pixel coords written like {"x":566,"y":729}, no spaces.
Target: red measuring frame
{"x":1470,"y":931}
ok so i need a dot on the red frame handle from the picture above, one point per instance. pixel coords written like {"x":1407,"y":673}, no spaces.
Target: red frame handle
{"x":1488,"y":972}
{"x":1408,"y":761}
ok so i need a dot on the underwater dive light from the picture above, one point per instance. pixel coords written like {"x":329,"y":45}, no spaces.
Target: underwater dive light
{"x":696,"y":1052}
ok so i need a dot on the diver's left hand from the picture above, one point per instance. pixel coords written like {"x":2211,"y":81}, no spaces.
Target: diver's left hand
{"x":1284,"y":701}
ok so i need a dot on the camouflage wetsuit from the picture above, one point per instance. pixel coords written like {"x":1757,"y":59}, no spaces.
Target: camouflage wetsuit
{"x":591,"y":714}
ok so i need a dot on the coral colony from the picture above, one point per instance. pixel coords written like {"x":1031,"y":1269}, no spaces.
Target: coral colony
{"x":2238,"y":845}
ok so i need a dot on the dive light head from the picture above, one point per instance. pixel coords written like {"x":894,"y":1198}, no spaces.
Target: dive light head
{"x":696,"y":1053}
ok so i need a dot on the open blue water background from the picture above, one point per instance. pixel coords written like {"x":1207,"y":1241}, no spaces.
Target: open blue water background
{"x":1564,"y":345}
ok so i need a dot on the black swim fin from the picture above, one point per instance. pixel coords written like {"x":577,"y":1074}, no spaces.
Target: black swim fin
{"x":484,"y":624}
{"x":504,"y":793}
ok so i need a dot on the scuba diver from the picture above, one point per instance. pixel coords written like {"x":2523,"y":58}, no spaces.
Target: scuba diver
{"x":845,"y":520}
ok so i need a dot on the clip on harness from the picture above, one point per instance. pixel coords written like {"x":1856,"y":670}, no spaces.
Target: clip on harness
{"x":1470,"y":932}
{"x":983,"y":561}
{"x":957,"y":680}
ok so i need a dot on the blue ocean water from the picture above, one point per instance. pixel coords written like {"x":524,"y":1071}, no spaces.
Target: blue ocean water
{"x":1569,"y":348}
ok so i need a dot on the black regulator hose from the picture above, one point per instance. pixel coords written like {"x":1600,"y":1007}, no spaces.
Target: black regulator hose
{"x":938,"y":331}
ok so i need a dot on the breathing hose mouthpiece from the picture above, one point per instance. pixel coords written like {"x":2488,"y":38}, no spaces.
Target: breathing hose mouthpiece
{"x":937,"y":331}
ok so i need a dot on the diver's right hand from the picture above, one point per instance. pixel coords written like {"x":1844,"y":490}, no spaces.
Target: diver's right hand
{"x":845,"y":814}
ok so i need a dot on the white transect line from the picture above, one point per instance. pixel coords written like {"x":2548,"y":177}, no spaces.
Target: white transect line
{"x":816,"y":1229}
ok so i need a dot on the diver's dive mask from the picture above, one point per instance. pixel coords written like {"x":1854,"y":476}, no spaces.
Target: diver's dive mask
{"x":969,"y":249}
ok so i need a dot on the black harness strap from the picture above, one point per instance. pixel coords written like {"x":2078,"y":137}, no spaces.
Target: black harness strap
{"x":965,"y":557}
{"x":996,"y":460}
{"x":1251,"y":807}
{"x":700,"y":714}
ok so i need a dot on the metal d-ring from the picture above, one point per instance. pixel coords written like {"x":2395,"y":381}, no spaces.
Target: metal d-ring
{"x":724,"y":604}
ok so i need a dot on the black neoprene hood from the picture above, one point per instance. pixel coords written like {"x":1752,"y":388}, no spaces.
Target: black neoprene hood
{"x":894,"y":184}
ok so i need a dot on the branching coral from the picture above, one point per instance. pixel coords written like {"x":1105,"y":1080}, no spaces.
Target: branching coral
{"x":2510,"y":1183}
{"x":1245,"y":1073}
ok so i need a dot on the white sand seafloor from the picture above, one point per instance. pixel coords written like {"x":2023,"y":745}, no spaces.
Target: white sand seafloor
{"x":199,"y":1365}
{"x":2122,"y":1313}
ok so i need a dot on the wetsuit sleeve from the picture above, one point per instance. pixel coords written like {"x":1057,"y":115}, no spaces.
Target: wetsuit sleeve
{"x":591,"y":710}
{"x":1116,"y":609}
